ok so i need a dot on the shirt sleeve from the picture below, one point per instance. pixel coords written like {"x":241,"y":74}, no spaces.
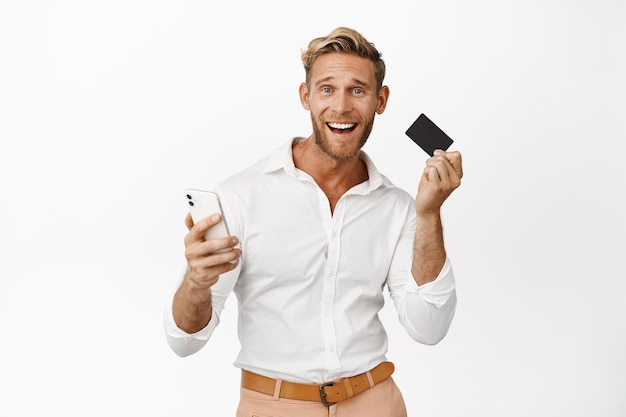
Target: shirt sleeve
{"x":425,"y":311}
{"x":183,"y":343}
{"x":428,"y":310}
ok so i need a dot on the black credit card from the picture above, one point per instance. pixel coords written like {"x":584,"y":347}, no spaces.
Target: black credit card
{"x":428,"y":135}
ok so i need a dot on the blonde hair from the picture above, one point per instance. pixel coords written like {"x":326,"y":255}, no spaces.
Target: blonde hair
{"x":344,"y":40}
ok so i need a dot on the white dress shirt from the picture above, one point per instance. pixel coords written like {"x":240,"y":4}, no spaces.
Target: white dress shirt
{"x":310,"y":282}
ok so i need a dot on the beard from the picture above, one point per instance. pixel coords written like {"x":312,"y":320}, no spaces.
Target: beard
{"x":342,"y":152}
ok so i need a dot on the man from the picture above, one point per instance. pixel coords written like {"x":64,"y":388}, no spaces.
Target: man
{"x":317,"y":234}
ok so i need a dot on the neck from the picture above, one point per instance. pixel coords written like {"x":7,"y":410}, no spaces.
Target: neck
{"x":333,"y":176}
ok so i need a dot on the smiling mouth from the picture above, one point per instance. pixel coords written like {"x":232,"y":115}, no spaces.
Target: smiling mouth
{"x":341,"y":127}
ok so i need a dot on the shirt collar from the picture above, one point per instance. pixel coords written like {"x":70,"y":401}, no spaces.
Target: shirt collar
{"x":282,"y":158}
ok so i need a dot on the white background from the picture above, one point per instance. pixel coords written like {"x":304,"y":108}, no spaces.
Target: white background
{"x":109,"y":110}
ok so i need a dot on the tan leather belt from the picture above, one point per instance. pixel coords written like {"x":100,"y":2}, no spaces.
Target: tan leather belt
{"x":327,"y":394}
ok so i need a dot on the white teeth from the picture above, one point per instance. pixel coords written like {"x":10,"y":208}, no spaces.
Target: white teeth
{"x":341,"y":125}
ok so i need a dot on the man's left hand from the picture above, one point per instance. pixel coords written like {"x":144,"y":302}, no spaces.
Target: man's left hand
{"x":442,"y":175}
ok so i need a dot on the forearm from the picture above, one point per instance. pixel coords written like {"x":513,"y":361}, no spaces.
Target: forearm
{"x":193,"y":314}
{"x":429,"y":253}
{"x":191,"y":307}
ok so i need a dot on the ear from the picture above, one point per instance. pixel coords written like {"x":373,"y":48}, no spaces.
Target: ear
{"x":304,"y":96}
{"x":383,"y":96}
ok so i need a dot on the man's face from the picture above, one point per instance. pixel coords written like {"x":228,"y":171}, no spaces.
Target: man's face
{"x":343,"y":99}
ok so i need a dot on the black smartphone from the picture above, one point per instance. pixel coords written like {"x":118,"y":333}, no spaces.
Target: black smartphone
{"x":428,"y":136}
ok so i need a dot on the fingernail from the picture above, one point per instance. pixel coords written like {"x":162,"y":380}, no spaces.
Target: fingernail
{"x":215,"y":217}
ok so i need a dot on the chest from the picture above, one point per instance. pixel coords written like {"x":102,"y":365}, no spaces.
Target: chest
{"x":299,"y":242}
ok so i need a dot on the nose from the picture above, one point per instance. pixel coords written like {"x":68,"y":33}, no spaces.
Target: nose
{"x":342,"y":103}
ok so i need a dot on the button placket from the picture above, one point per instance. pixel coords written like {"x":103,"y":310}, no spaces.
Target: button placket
{"x":329,"y":287}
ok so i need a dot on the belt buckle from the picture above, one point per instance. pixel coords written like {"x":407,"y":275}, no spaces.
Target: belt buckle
{"x":323,"y":394}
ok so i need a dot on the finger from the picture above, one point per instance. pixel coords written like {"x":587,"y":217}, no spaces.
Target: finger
{"x":222,"y":268}
{"x":202,"y":248}
{"x":231,"y":256}
{"x":215,"y":245}
{"x":455,"y":160}
{"x":199,"y":229}
{"x":215,"y":259}
{"x":188,"y":221}
{"x":432,"y":175}
{"x":442,"y":167}
{"x":208,"y":273}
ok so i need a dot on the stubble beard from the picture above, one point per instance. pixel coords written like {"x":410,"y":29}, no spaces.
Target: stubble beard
{"x":341,"y":154}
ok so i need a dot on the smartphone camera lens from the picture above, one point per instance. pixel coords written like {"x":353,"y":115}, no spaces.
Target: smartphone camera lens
{"x":188,"y":197}
{"x":191,"y":203}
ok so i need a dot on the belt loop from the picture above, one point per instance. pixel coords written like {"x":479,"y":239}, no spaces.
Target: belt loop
{"x":348,"y":387}
{"x":279,"y":382}
{"x":370,"y":379}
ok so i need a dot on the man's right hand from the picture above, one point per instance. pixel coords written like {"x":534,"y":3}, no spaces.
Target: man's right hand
{"x":192,"y":302}
{"x":204,"y":266}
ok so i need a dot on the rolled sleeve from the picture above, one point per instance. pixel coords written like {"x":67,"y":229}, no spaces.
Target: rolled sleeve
{"x":183,"y":343}
{"x":436,"y":292}
{"x":426,"y":311}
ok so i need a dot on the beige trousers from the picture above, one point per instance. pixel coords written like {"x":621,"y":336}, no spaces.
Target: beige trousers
{"x":382,"y":400}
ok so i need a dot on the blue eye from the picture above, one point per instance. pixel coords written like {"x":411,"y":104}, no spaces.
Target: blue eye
{"x":358,"y":91}
{"x":326,"y":90}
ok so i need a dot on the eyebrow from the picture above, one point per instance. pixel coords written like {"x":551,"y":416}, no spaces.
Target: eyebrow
{"x":354,"y":81}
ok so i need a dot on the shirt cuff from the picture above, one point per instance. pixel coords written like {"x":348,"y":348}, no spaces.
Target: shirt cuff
{"x":436,"y":292}
{"x":173,"y":331}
